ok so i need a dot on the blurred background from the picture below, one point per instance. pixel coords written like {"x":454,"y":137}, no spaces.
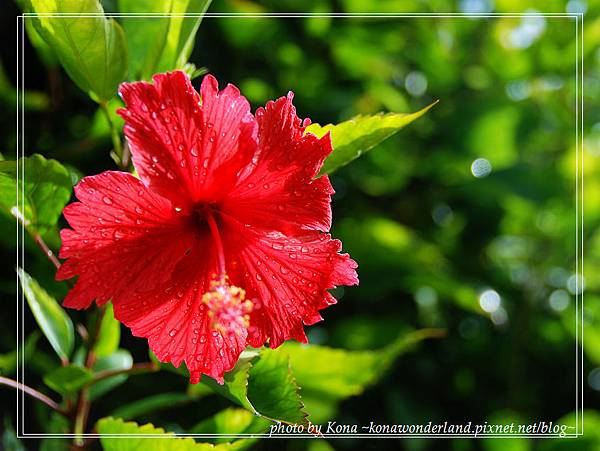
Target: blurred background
{"x":465,"y":220}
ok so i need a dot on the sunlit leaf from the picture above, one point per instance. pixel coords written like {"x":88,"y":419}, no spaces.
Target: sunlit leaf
{"x":92,"y":49}
{"x":109,"y":334}
{"x":352,"y":138}
{"x":68,"y":379}
{"x":52,"y":319}
{"x":328,"y":375}
{"x":45,"y":186}
{"x":116,"y":426}
{"x":159,"y":44}
{"x":233,"y":421}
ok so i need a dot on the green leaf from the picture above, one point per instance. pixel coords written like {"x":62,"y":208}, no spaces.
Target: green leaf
{"x":233,"y":421}
{"x":159,"y":44}
{"x":328,"y":375}
{"x":52,"y":319}
{"x":265,"y":386}
{"x":8,"y":361}
{"x":151,"y":404}
{"x":46,"y":186}
{"x":116,"y":426}
{"x":119,"y":360}
{"x":109,"y":334}
{"x":261,"y":382}
{"x":9,"y":441}
{"x":353,"y":138}
{"x":68,"y":379}
{"x":92,"y":50}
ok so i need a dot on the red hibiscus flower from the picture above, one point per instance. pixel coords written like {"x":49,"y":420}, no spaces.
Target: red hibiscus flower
{"x":222,"y":242}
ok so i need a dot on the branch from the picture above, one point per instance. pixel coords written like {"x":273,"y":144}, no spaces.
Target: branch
{"x":138,"y":368}
{"x":44,"y":247}
{"x":34,"y":394}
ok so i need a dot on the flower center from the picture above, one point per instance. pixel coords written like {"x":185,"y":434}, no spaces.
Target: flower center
{"x":227,"y":306}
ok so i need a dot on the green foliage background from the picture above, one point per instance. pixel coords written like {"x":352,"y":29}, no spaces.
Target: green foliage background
{"x":429,"y":237}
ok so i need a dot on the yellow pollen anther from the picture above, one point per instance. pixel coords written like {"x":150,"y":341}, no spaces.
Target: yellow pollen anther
{"x":228,"y":307}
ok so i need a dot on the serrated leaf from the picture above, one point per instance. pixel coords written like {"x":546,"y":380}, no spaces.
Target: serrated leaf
{"x":159,"y":44}
{"x":119,"y":360}
{"x":265,"y":386}
{"x":109,"y":334}
{"x":262,"y":382}
{"x":50,"y":316}
{"x":68,"y":379}
{"x":117,"y":427}
{"x":46,"y":186}
{"x":92,"y":49}
{"x":355,"y":137}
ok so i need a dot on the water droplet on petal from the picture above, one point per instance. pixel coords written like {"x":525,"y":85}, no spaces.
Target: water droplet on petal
{"x":284,"y":270}
{"x":107,"y":200}
{"x":203,"y":339}
{"x":277,"y":246}
{"x":258,"y":277}
{"x":172,"y":333}
{"x":266,"y":186}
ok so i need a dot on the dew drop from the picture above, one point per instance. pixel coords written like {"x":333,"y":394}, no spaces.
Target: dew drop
{"x":250,"y":185}
{"x":277,"y":246}
{"x":194,"y":151}
{"x":304,"y":249}
{"x":172,"y":333}
{"x":283,"y":270}
{"x":258,"y":277}
{"x":266,"y":186}
{"x":293,"y":256}
{"x":154,"y":115}
{"x":107,"y":200}
{"x":203,"y":339}
{"x":182,"y":163}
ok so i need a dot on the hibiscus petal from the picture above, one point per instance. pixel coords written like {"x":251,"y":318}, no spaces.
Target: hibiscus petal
{"x":286,"y":277}
{"x":121,"y":239}
{"x":278,"y":190}
{"x":177,"y":325}
{"x":186,"y":149}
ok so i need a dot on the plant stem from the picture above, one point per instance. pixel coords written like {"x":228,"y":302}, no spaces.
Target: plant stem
{"x":82,"y":408}
{"x":33,"y":393}
{"x":120,"y":157}
{"x":44,"y":247}
{"x":138,"y":368}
